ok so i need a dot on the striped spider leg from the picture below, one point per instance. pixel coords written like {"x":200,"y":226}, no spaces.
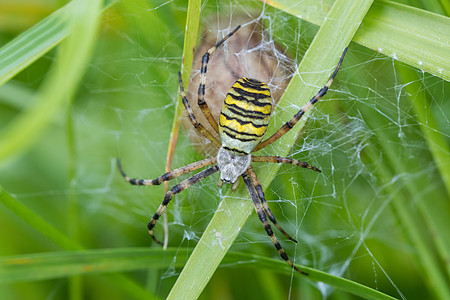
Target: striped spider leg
{"x":288,"y":125}
{"x":262,"y":197}
{"x":177,"y":188}
{"x":262,"y":212}
{"x":199,"y":127}
{"x":284,"y":160}
{"x":202,"y":86}
{"x":262,"y":200}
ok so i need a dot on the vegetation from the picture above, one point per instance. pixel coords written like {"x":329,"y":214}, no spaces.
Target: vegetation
{"x":89,"y":81}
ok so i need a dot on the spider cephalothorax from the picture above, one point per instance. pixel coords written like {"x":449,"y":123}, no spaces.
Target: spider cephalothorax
{"x":242,"y":124}
{"x":232,"y":165}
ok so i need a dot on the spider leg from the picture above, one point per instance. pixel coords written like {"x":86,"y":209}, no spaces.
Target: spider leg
{"x":175,"y":190}
{"x":284,"y":160}
{"x":262,"y":197}
{"x":263,"y":218}
{"x":169,"y":175}
{"x":201,"y":88}
{"x":288,"y":125}
{"x":192,"y":117}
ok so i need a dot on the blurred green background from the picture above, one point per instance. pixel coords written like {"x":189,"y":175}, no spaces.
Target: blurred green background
{"x":377,"y":215}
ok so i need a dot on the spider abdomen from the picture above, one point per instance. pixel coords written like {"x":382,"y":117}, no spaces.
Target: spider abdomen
{"x":245,"y":115}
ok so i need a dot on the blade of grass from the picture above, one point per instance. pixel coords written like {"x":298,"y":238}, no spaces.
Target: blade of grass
{"x":427,"y":260}
{"x":15,"y":95}
{"x":64,"y":242}
{"x":42,"y":266}
{"x":73,"y":216}
{"x":33,"y":43}
{"x":29,"y":46}
{"x":36,"y":221}
{"x":446,"y":7}
{"x":435,"y":214}
{"x":63,"y":78}
{"x":190,"y":39}
{"x":69,"y":67}
{"x":336,"y":32}
{"x":405,"y":184}
{"x":416,"y":37}
{"x":62,"y":81}
{"x":436,"y":141}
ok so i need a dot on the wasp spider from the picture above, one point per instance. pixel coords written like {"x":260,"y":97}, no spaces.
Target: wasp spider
{"x":243,"y":122}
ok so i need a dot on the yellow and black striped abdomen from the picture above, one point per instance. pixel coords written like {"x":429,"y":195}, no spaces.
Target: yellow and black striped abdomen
{"x":245,"y":115}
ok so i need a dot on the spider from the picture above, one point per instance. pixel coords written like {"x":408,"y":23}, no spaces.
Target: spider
{"x":242,"y":124}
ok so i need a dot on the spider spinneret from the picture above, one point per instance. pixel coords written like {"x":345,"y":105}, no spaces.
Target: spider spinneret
{"x":242,"y":125}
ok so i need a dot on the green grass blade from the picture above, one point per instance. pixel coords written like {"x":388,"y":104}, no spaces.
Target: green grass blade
{"x":411,"y":220}
{"x":42,"y":266}
{"x":315,"y":68}
{"x":60,"y":239}
{"x":436,"y":141}
{"x":418,"y":214}
{"x":37,"y":222}
{"x":33,"y":43}
{"x":36,"y":41}
{"x":73,"y":211}
{"x":445,"y":6}
{"x":190,"y":39}
{"x":62,"y":81}
{"x":416,"y":37}
{"x":435,"y":214}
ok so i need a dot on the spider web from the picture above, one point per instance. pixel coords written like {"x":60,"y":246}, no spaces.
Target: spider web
{"x":344,"y":217}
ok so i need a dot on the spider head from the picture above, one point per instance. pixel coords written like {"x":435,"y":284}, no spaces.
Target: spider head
{"x":232,"y":165}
